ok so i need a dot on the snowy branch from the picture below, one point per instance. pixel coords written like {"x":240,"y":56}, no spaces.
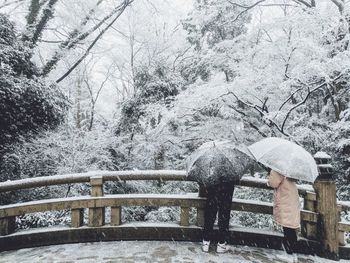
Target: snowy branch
{"x":75,"y":37}
{"x":246,"y":8}
{"x":246,"y":119}
{"x":288,"y":62}
{"x":340,"y":5}
{"x":47,"y":15}
{"x":262,"y":111}
{"x":35,"y":28}
{"x":289,"y":98}
{"x":306,"y":97}
{"x":125,"y":4}
{"x":303,"y":2}
{"x":6,"y":4}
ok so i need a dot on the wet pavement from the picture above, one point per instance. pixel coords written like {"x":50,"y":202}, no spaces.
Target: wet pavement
{"x":146,"y":252}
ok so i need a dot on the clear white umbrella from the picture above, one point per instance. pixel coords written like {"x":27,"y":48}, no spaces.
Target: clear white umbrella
{"x":285,"y":157}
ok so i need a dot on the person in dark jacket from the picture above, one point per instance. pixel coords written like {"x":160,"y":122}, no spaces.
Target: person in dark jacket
{"x":217,"y":166}
{"x":219,"y":200}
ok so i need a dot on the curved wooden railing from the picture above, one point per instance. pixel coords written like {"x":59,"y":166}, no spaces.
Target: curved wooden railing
{"x":312,"y":230}
{"x":343,"y":227}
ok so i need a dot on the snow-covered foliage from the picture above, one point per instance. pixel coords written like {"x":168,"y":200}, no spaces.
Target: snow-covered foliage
{"x":294,"y":81}
{"x":47,"y":219}
{"x":291,"y":80}
{"x":28,"y":104}
{"x":65,"y":150}
{"x":154,"y":84}
{"x":247,"y":71}
{"x":212,"y":27}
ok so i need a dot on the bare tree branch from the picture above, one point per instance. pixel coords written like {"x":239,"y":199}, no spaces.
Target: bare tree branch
{"x":180,"y":55}
{"x":74,"y":38}
{"x":262,"y":113}
{"x":125,"y":4}
{"x":51,"y":41}
{"x":289,"y":98}
{"x":6,"y":4}
{"x":246,"y":8}
{"x":307,"y":96}
{"x":288,"y":62}
{"x":302,"y":2}
{"x":280,"y":4}
{"x":35,"y":26}
{"x":31,"y":17}
{"x":246,"y":120}
{"x":340,"y":5}
{"x":297,"y":90}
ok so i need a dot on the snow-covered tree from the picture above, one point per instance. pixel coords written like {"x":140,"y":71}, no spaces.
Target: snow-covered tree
{"x":51,"y":38}
{"x":27,"y":103}
{"x":212,"y":26}
{"x":294,"y":79}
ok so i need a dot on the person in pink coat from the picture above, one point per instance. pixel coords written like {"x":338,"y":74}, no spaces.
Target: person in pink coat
{"x":286,"y":208}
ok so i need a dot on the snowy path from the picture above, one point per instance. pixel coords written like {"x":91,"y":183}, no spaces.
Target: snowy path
{"x":145,"y":252}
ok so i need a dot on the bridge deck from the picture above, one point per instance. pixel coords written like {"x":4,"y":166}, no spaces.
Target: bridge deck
{"x":143,"y":231}
{"x":146,"y":251}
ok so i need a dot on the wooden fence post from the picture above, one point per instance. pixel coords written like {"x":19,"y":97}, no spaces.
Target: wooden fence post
{"x":200,"y":211}
{"x":77,"y":217}
{"x":184,"y":216}
{"x":326,"y":207}
{"x":309,"y":229}
{"x":341,"y":233}
{"x":7,"y":225}
{"x":116,"y":215}
{"x":97,"y":214}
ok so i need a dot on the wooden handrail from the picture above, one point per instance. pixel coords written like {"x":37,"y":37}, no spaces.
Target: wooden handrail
{"x":320,"y":217}
{"x":344,"y":227}
{"x":160,"y":175}
{"x":164,"y":175}
{"x":181,"y":200}
{"x":345,"y":205}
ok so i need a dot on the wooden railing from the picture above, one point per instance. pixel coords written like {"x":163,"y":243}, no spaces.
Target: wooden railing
{"x":343,"y":227}
{"x":317,"y":215}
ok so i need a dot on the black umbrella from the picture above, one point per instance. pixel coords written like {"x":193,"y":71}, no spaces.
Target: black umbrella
{"x":219,"y":162}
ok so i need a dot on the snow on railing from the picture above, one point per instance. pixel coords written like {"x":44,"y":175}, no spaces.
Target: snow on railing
{"x":159,"y":175}
{"x":97,"y":202}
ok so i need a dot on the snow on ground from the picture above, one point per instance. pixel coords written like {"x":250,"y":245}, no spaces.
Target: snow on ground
{"x":146,"y":252}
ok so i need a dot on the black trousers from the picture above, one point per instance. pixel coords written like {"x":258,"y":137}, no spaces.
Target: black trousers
{"x":290,"y":239}
{"x":219,"y":200}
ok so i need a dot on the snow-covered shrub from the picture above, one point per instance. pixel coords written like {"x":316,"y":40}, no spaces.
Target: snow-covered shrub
{"x":252,"y":220}
{"x":154,"y":84}
{"x":27,"y":103}
{"x":164,"y":214}
{"x":129,"y":187}
{"x":178,"y":188}
{"x":63,"y":151}
{"x":345,"y":217}
{"x":135,"y":213}
{"x":195,"y":68}
{"x":211,"y":27}
{"x":43,"y":219}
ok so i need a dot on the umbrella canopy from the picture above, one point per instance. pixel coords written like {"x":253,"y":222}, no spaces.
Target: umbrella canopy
{"x":217,"y":162}
{"x":285,"y":157}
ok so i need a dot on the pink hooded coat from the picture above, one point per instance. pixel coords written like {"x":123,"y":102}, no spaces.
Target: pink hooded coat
{"x":286,"y":207}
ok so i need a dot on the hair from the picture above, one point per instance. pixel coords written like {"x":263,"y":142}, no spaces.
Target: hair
{"x":267,"y":169}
